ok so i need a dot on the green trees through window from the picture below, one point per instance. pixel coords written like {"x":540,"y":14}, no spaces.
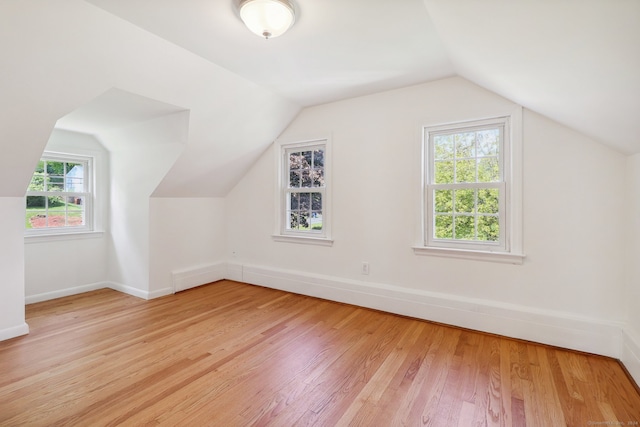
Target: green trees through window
{"x":57,"y":194}
{"x":466,"y":184}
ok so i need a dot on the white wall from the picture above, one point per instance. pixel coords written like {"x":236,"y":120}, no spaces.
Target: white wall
{"x":631,"y":351}
{"x":568,"y":291}
{"x":11,"y":261}
{"x":141,"y":155}
{"x":56,"y":266}
{"x":57,"y":56}
{"x":186,"y":234}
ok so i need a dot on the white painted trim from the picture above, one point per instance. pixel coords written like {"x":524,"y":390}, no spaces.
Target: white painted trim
{"x":514,"y":222}
{"x":324,"y":237}
{"x":542,"y":326}
{"x":503,"y":257}
{"x":196,"y":276}
{"x":305,"y":240}
{"x":130,"y":290}
{"x":46,"y":238}
{"x":14,"y":331}
{"x":234,"y":272}
{"x":560,"y":329}
{"x":46,"y":296}
{"x":630,"y":357}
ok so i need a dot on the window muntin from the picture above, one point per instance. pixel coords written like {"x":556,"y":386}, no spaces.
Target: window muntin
{"x":304,"y":190}
{"x":466,"y":186}
{"x":59,"y":196}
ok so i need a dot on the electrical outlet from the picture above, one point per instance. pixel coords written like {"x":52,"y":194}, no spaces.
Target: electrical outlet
{"x":365,"y":268}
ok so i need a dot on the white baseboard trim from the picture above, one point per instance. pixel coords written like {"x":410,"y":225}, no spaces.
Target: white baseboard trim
{"x":234,"y":272}
{"x":197,"y":276}
{"x":14,"y":331}
{"x":30,"y":299}
{"x":631,"y":353}
{"x":130,"y":290}
{"x":542,"y":326}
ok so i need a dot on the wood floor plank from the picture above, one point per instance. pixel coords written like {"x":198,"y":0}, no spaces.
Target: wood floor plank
{"x":239,"y":355}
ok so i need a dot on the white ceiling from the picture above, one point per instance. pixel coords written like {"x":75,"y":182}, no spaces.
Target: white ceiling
{"x":336,"y":49}
{"x":114,"y":109}
{"x":575,"y":61}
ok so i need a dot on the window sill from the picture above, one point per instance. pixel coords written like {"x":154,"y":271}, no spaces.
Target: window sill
{"x":502,"y":257}
{"x":318,"y":241}
{"x":55,"y":237}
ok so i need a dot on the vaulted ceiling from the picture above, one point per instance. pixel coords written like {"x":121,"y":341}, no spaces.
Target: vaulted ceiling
{"x":575,"y":61}
{"x":99,"y":64}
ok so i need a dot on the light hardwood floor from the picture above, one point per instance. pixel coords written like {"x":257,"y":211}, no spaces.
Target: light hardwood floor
{"x":231,"y":354}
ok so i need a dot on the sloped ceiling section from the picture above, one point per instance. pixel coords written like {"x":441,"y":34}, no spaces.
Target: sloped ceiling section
{"x":114,"y":109}
{"x":58,"y":56}
{"x":575,"y":61}
{"x":337,"y":49}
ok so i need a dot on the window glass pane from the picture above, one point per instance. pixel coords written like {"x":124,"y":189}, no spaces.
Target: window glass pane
{"x":465,"y":201}
{"x":466,"y":171}
{"x":316,"y":202}
{"x":443,"y":147}
{"x":306,"y":178}
{"x":443,"y":201}
{"x":293,"y":221}
{"x":317,"y":178}
{"x":488,"y":200}
{"x":74,"y":180}
{"x":465,"y":228}
{"x":294,"y":201}
{"x":465,"y":145}
{"x":37,"y":182}
{"x":40,"y":167}
{"x":318,"y":158}
{"x":316,"y":220}
{"x":36,"y":202}
{"x":55,"y":183}
{"x":307,"y":159}
{"x":56,"y":203}
{"x":488,"y":228}
{"x":488,"y":142}
{"x":75,"y":211}
{"x":57,"y":212}
{"x":36,"y":214}
{"x":443,"y":172}
{"x":294,"y":179}
{"x":295,"y":160}
{"x":444,"y":227}
{"x":488,"y":169}
{"x":303,"y":219}
{"x":55,"y":168}
{"x":305,"y":201}
{"x":36,"y":219}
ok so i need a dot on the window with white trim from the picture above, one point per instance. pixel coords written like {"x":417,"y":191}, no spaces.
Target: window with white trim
{"x":60,"y":195}
{"x":304,"y":186}
{"x":472,"y":181}
{"x":466,"y":186}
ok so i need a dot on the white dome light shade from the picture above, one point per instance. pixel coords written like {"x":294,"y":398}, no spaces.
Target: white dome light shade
{"x":267,"y":18}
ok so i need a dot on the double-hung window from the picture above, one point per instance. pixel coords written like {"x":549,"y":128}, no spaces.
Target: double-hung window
{"x":304,"y":186}
{"x":468,"y":194}
{"x":59,"y":198}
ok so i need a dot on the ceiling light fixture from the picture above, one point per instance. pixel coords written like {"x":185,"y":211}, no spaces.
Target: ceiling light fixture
{"x":267,"y":18}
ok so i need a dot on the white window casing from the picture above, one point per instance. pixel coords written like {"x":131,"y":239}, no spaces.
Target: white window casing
{"x":304,"y":192}
{"x":472,"y":204}
{"x":74,"y":216}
